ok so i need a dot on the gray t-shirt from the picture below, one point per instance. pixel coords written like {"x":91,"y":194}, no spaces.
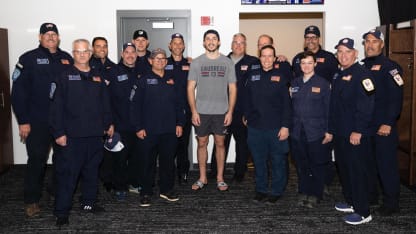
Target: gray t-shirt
{"x":212,"y":77}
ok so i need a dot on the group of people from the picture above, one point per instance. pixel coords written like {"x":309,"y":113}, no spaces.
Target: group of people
{"x":143,"y":109}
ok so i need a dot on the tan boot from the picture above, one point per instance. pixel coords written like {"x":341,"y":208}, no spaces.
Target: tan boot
{"x":32,"y":210}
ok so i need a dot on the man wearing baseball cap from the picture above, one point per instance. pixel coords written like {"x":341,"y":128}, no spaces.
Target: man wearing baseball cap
{"x":350,"y":119}
{"x":141,"y":41}
{"x":32,"y":78}
{"x":388,"y":105}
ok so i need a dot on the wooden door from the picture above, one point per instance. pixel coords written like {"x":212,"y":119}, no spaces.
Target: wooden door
{"x":6,"y":139}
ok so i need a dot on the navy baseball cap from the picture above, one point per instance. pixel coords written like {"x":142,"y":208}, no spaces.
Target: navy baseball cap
{"x":212,"y":31}
{"x":176,"y":35}
{"x":376,"y":33}
{"x":157,"y":51}
{"x":140,"y":33}
{"x":312,"y":29}
{"x":113,"y":143}
{"x":127,"y":44}
{"x":46,"y":27}
{"x":347,"y":42}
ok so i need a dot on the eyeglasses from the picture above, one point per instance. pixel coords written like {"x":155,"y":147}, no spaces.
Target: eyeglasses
{"x":159,"y":59}
{"x":311,"y":38}
{"x":81,"y":52}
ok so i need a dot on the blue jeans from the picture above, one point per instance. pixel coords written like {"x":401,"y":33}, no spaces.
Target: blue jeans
{"x":265,"y":146}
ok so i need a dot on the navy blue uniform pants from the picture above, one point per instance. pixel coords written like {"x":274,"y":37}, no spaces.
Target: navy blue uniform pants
{"x":120,"y":160}
{"x":79,"y":159}
{"x":38,"y":146}
{"x":242,"y":152}
{"x":312,"y":160}
{"x":152,"y":147}
{"x":388,"y":168}
{"x":182,"y":150}
{"x":353,"y":166}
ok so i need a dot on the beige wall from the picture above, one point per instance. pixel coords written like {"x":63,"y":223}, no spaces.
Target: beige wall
{"x":287,"y":33}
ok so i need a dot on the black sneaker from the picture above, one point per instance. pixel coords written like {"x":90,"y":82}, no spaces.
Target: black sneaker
{"x":61,"y":221}
{"x":272,"y":199}
{"x":387,"y":211}
{"x":144,"y":201}
{"x":260,"y":197}
{"x":170,"y":196}
{"x":95,"y":209}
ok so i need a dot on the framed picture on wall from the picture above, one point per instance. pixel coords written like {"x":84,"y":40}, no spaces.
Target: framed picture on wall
{"x":281,"y":2}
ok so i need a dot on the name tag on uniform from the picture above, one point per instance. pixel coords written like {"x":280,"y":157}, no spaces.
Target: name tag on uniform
{"x":170,"y":82}
{"x":294,"y":89}
{"x":320,"y":60}
{"x":275,"y":78}
{"x":65,"y":61}
{"x":244,"y":67}
{"x":316,"y":90}
{"x":152,"y":81}
{"x":255,"y":67}
{"x":185,"y":68}
{"x":255,"y":77}
{"x":169,"y":67}
{"x":376,"y":67}
{"x":122,"y":77}
{"x":347,"y":78}
{"x":42,"y":61}
{"x":368,"y":84}
{"x":74,"y":77}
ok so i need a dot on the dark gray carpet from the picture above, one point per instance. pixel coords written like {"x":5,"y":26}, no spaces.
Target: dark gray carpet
{"x":206,"y":211}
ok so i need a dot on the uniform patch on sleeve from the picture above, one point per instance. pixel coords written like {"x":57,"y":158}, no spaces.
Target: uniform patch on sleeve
{"x":52,"y":90}
{"x":398,"y":79}
{"x":368,"y":84}
{"x":16,"y":73}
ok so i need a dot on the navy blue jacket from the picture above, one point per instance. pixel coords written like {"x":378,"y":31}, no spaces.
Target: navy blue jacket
{"x":155,"y":105}
{"x":104,"y":68}
{"x":122,"y":79}
{"x":310,"y":103}
{"x":80,"y":105}
{"x":389,"y":96}
{"x":267,"y":103}
{"x":142,"y":64}
{"x":32,"y":78}
{"x":241,"y":68}
{"x":179,"y":71}
{"x":326,"y":64}
{"x":352,"y":106}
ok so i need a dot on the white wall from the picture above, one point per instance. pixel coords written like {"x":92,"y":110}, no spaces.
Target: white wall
{"x":86,"y":19}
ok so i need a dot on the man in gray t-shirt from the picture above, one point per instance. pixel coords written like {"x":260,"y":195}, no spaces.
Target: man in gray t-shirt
{"x":213,"y":76}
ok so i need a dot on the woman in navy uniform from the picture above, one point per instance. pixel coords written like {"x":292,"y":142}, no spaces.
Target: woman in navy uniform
{"x":157,"y":116}
{"x":309,"y":138}
{"x":80,"y":116}
{"x":351,"y":113}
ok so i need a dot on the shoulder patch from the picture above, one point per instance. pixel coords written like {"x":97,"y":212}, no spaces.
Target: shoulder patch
{"x":16,"y":73}
{"x":368,"y":85}
{"x":398,"y":79}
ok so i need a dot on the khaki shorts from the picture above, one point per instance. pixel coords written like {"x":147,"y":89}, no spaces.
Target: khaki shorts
{"x":211,"y":124}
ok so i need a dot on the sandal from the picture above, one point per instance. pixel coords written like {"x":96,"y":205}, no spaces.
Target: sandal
{"x":222,"y":186}
{"x":198,"y":185}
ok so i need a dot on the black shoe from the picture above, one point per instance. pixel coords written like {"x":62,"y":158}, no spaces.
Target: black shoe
{"x":145,"y":201}
{"x":387,"y":211}
{"x":272,"y":199}
{"x":61,"y":221}
{"x":170,"y":196}
{"x":260,"y":197}
{"x":183,"y":178}
{"x":95,"y":209}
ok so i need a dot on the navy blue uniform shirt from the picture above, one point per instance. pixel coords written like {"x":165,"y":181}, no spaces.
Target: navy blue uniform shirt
{"x":389,"y":96}
{"x":326,"y":64}
{"x":155,"y":105}
{"x":267,"y":103}
{"x":96,"y":64}
{"x":179,"y":71}
{"x":310,"y":103}
{"x":80,"y":104}
{"x":121,"y":82}
{"x":32,"y":78}
{"x":142,"y":64}
{"x":241,"y":68}
{"x":352,"y":104}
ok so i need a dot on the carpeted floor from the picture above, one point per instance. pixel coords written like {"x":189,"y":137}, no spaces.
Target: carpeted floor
{"x":205,"y":211}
